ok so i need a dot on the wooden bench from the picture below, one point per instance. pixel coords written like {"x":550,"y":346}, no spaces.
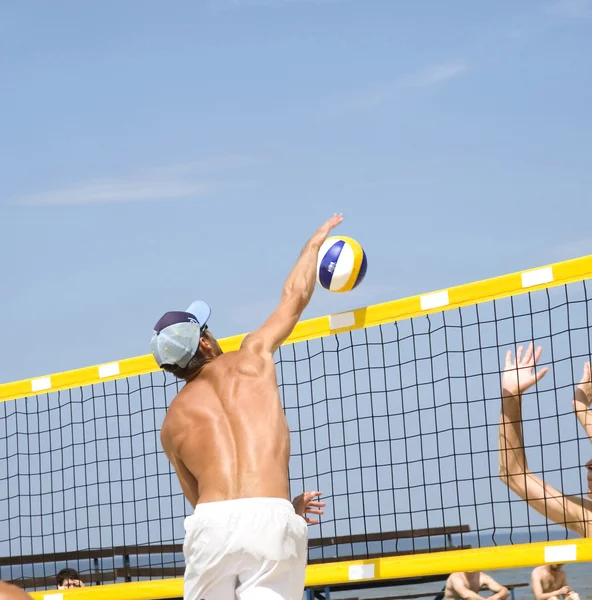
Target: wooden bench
{"x":95,"y":575}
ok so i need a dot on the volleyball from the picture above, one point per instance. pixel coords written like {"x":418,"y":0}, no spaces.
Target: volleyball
{"x":341,"y":264}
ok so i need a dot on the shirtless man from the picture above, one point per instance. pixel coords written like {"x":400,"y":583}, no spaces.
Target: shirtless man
{"x":572,"y":512}
{"x":466,"y":586}
{"x":228,"y":439}
{"x":549,"y":582}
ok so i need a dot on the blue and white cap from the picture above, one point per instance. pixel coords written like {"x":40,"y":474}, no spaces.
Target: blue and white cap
{"x":177,"y":334}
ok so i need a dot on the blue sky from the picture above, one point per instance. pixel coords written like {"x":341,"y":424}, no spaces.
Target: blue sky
{"x":153,"y":153}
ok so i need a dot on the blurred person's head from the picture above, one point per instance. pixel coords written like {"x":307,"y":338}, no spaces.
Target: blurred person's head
{"x":68,"y":578}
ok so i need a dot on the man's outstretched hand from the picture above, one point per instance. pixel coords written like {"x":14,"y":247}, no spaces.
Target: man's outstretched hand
{"x":305,"y":504}
{"x":323,"y":231}
{"x":335,"y":220}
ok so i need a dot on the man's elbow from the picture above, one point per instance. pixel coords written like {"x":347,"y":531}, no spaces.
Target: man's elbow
{"x":507,"y":480}
{"x":504,"y":473}
{"x":515,"y":482}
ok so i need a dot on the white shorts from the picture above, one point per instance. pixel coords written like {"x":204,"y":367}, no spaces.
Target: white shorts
{"x":248,"y":549}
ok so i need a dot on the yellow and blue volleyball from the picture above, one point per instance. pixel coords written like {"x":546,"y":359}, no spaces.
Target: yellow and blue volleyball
{"x":341,"y":265}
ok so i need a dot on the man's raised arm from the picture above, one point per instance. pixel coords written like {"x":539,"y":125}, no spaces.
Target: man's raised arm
{"x":296,"y":295}
{"x":568,"y":511}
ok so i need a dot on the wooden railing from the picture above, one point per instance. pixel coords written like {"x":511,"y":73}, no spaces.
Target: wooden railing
{"x":95,"y":575}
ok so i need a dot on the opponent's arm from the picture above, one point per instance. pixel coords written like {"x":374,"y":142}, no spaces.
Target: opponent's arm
{"x":583,"y":400}
{"x":296,"y":295}
{"x":569,"y":511}
{"x":499,"y":591}
{"x":8,"y":591}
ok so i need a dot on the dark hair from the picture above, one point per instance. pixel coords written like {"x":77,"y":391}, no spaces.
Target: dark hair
{"x":192,"y":369}
{"x":66,"y":574}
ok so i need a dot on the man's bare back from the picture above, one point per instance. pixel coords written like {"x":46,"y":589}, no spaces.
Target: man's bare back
{"x":227,"y":430}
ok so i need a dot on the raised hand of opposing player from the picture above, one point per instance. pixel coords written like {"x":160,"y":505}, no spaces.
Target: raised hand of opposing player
{"x":305,"y":504}
{"x":520,"y":374}
{"x":584,"y":389}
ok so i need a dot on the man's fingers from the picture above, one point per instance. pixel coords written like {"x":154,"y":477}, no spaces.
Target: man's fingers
{"x":308,"y":496}
{"x":314,"y":511}
{"x":519,"y":355}
{"x":335,"y":220}
{"x":537,"y":354}
{"x":508,"y":359}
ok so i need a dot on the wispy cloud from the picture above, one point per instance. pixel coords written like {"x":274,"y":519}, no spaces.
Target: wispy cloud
{"x":170,"y":182}
{"x":434,"y":75}
{"x":101,"y":191}
{"x":570,"y":9}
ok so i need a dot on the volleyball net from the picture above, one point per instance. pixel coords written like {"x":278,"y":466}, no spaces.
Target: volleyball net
{"x":394,"y":416}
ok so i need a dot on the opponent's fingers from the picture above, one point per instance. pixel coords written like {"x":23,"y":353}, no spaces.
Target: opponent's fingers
{"x":528,"y":354}
{"x":316,"y":503}
{"x":508,"y":359}
{"x":519,"y":355}
{"x":537,"y":354}
{"x":587,"y":376}
{"x":541,"y":373}
{"x":311,"y":521}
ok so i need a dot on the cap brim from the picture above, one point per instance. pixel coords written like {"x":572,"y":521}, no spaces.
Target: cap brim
{"x":201,"y":311}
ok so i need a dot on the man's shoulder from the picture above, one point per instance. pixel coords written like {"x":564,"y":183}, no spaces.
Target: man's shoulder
{"x":455,"y":578}
{"x":173,"y":424}
{"x":172,"y":413}
{"x":248,"y":355}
